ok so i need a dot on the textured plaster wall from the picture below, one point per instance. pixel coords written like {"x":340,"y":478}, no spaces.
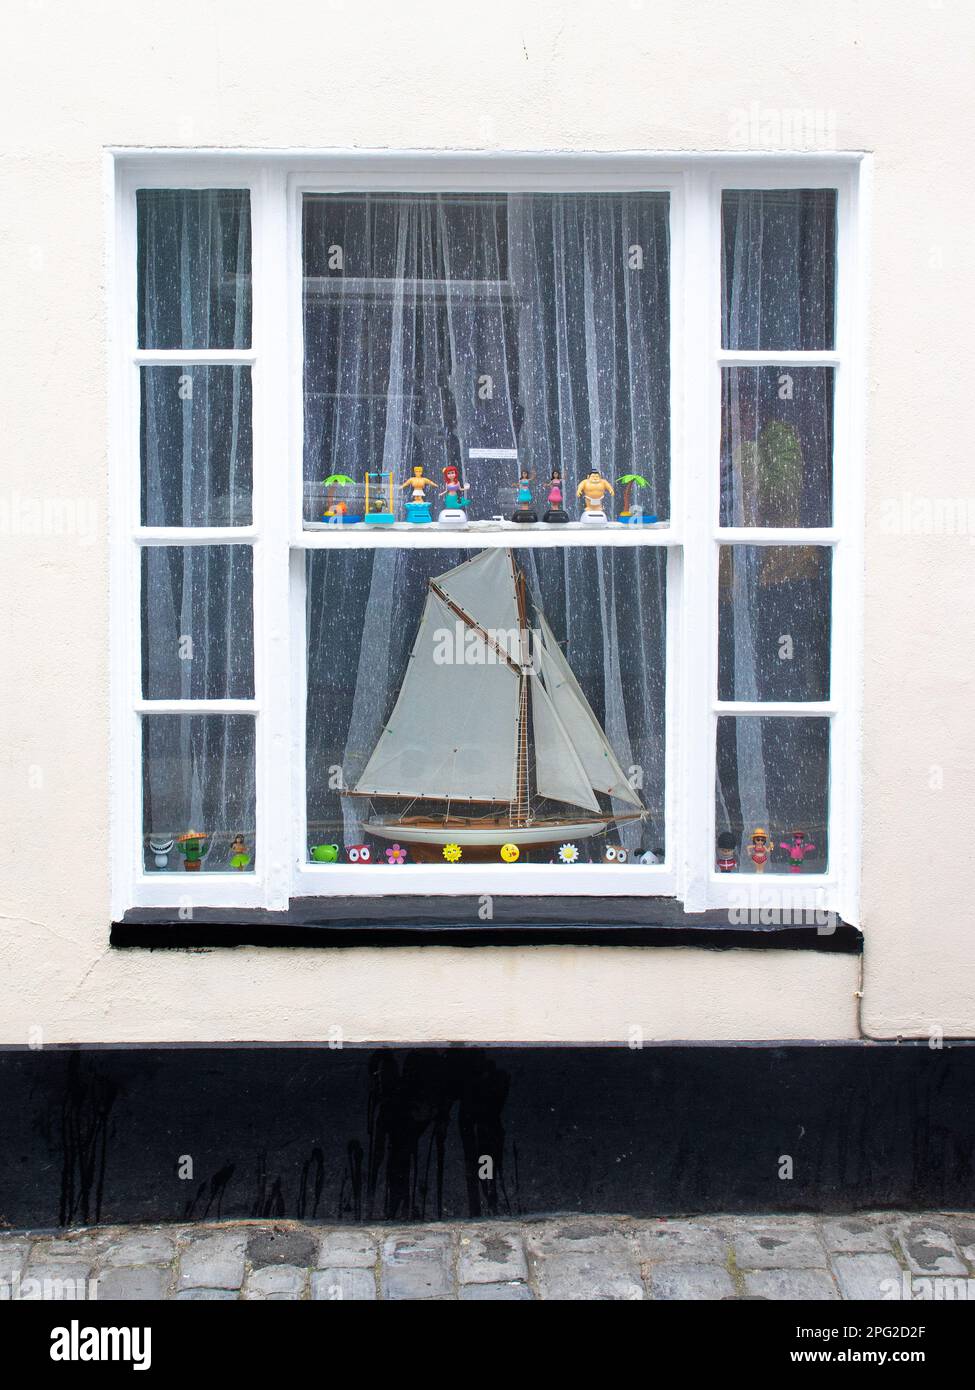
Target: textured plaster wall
{"x":889,"y":76}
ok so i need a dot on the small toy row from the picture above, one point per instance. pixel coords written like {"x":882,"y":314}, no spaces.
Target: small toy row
{"x":510,"y":854}
{"x":380,"y":504}
{"x":194,"y":846}
{"x":760,"y":849}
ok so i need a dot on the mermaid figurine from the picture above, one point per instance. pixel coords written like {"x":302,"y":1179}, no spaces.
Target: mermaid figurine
{"x":454,"y":513}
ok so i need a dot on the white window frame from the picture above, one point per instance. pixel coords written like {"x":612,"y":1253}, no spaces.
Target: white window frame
{"x":276,"y":182}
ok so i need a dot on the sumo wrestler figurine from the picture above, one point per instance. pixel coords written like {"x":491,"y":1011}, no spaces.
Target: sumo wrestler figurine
{"x":594,"y":488}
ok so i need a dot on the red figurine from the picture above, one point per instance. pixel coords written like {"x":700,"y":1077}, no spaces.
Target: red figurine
{"x":727,"y":853}
{"x":760,"y":850}
{"x":798,"y":850}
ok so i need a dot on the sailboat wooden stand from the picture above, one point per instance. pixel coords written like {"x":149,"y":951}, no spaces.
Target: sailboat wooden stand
{"x":491,"y":739}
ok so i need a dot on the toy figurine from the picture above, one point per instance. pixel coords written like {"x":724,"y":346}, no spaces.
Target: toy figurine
{"x":338,"y":512}
{"x":594,"y":488}
{"x":798,"y":849}
{"x":325,"y":854}
{"x":358,"y":854}
{"x":192,"y":846}
{"x":396,"y":854}
{"x":727,"y":853}
{"x":526,"y":512}
{"x":760,"y":850}
{"x":568,"y":854}
{"x":634,"y":516}
{"x":651,"y":856}
{"x":510,"y":853}
{"x":614,"y":854}
{"x":454,"y":513}
{"x":161,"y":847}
{"x":417,"y":510}
{"x":239,"y":853}
{"x":380,"y":508}
{"x":556,"y":513}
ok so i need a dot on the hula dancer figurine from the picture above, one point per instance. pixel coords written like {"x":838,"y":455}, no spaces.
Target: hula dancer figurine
{"x":556,"y":512}
{"x":594,"y":488}
{"x":454,"y":513}
{"x":417,"y":510}
{"x":760,"y":850}
{"x":526,"y":512}
{"x":239,"y":853}
{"x":798,"y":849}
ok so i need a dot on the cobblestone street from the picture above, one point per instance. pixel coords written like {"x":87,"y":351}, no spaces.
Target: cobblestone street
{"x":864,"y":1256}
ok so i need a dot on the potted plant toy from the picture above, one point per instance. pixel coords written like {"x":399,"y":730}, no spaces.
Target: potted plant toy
{"x":338,"y":512}
{"x":192,"y":846}
{"x":628,"y":516}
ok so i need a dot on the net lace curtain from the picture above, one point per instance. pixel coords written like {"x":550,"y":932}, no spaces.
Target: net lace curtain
{"x":195,"y":292}
{"x":435,"y":324}
{"x":778,"y":272}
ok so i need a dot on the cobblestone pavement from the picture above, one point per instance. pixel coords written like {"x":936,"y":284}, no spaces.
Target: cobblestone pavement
{"x":887,"y":1255}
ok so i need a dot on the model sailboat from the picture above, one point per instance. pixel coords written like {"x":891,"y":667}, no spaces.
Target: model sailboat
{"x":491,"y":728}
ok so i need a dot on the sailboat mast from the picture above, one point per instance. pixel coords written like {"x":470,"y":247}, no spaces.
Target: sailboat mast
{"x":520,"y":806}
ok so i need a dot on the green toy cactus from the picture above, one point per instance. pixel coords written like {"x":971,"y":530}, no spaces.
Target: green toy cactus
{"x":192,"y":846}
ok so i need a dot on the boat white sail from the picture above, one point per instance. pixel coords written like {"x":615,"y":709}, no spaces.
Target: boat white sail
{"x":451,"y":735}
{"x":559,"y":774}
{"x":489,"y":713}
{"x":590,"y":743}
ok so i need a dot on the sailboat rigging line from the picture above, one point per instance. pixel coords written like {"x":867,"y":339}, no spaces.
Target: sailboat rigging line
{"x":475,"y":627}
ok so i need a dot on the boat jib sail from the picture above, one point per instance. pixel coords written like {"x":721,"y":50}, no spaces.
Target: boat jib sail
{"x":491,"y":712}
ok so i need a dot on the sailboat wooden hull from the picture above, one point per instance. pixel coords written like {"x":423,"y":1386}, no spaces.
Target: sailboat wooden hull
{"x":489,"y":835}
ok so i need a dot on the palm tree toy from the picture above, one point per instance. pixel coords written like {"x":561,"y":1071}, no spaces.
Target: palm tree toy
{"x":628,"y":482}
{"x":333,"y":481}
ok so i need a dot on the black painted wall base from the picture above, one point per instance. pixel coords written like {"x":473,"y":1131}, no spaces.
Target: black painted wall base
{"x":407,"y":1133}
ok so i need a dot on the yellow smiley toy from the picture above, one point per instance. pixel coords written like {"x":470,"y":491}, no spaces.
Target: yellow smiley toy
{"x":509,"y":853}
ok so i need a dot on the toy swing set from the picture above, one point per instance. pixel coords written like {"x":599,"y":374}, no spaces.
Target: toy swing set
{"x":380,"y":499}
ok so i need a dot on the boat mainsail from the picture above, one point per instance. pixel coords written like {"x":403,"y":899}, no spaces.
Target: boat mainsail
{"x":513,"y":724}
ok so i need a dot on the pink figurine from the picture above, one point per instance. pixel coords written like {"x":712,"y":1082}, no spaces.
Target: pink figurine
{"x":798,"y":850}
{"x":556,"y":512}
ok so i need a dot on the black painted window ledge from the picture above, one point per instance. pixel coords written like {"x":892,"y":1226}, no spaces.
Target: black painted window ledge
{"x":460,"y":921}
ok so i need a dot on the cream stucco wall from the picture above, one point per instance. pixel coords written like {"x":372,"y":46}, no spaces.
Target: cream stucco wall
{"x":889,"y":76}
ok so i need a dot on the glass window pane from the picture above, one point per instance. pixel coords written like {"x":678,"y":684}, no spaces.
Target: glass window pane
{"x":777,"y":446}
{"x":423,"y":734}
{"x":196,"y":445}
{"x":198,"y":806}
{"x":194,"y":266}
{"x":778,"y":268}
{"x":488,"y":333}
{"x":772,"y":791}
{"x":774,"y":622}
{"x":197,"y":622}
